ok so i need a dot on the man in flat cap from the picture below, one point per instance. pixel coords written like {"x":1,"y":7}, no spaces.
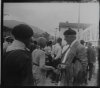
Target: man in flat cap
{"x":74,"y":60}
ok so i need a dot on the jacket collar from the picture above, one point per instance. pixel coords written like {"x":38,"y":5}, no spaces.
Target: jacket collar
{"x":16,"y":45}
{"x":57,"y":44}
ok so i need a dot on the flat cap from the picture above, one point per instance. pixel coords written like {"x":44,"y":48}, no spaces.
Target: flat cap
{"x":69,"y":32}
{"x":82,"y":41}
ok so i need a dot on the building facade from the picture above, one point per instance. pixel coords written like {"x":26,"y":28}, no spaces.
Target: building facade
{"x":90,"y":34}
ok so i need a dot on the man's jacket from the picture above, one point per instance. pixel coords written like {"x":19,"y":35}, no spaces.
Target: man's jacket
{"x":74,"y":66}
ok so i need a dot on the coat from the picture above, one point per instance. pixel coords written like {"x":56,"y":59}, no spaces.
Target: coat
{"x":17,"y":65}
{"x":17,"y":68}
{"x":72,"y":69}
{"x":91,"y":55}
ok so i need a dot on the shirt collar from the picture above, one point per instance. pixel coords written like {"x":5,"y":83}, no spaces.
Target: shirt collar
{"x":16,"y":45}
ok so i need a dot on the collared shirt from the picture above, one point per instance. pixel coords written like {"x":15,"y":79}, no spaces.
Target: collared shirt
{"x":57,"y":51}
{"x":47,"y":49}
{"x":65,"y":57}
{"x":5,"y":45}
{"x":65,"y":48}
{"x":16,"y":45}
{"x":73,"y":43}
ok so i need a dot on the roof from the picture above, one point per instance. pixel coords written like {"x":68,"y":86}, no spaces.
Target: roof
{"x":73,"y":25}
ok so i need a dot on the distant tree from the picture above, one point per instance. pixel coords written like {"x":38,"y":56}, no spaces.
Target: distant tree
{"x":46,"y":35}
{"x":36,"y":35}
{"x":6,"y":28}
{"x":7,"y":31}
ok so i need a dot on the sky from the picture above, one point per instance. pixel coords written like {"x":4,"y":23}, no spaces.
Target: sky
{"x":47,"y":16}
{"x":0,"y":11}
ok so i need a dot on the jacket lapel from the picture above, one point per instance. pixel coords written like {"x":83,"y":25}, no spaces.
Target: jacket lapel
{"x":63,"y":54}
{"x":71,"y":54}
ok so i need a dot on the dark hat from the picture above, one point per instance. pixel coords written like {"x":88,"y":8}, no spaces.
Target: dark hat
{"x":69,"y":32}
{"x":22,"y":31}
{"x":49,"y":43}
{"x":82,"y":41}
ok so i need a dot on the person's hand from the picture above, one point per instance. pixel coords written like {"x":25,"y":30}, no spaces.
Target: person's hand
{"x":56,"y":71}
{"x":52,"y":55}
{"x":63,"y":66}
{"x":50,"y":67}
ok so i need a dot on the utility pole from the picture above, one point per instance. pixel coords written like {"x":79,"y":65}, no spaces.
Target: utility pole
{"x":78,"y":20}
{"x":55,"y":35}
{"x":57,"y":30}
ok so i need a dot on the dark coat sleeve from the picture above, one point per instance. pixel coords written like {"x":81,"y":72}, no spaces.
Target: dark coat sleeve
{"x":17,"y":68}
{"x":25,"y":66}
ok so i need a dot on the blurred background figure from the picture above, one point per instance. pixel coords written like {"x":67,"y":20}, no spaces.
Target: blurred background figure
{"x":82,"y":42}
{"x":7,"y":41}
{"x":91,"y":55}
{"x":49,"y":59}
{"x":56,"y":51}
{"x":98,"y":76}
{"x":86,"y":45}
{"x":85,"y":75}
{"x":48,"y":50}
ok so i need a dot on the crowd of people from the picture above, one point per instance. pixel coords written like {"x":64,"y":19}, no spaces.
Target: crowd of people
{"x":30,"y":62}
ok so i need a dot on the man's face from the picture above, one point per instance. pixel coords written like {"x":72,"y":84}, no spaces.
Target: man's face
{"x":69,"y":38}
{"x":60,"y":42}
{"x":28,"y":41}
